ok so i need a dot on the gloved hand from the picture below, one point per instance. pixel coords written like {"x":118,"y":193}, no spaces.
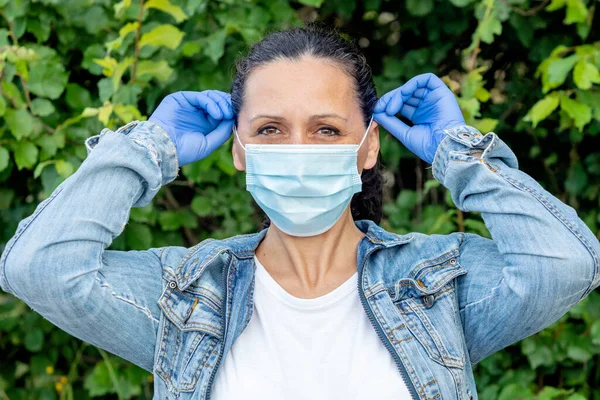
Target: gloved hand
{"x":197,"y":122}
{"x":429,"y":104}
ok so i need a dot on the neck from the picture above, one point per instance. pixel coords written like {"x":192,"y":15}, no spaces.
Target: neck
{"x":309,"y":267}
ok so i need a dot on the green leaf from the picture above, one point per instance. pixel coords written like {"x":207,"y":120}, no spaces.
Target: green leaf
{"x":157,"y":69}
{"x":577,"y":180}
{"x":25,"y":154}
{"x":99,"y":382}
{"x":595,"y":332}
{"x":2,"y":105}
{"x":585,"y":74}
{"x":138,"y":236}
{"x":163,"y":35}
{"x":166,"y":6}
{"x":77,"y":97}
{"x":202,"y":206}
{"x":461,"y":3}
{"x":488,"y":28}
{"x":4,"y":158}
{"x":542,"y":109}
{"x":34,"y":339}
{"x":6,"y":197}
{"x":127,"y":113}
{"x":555,"y":5}
{"x":105,"y":89}
{"x":214,"y":45}
{"x":576,"y":12}
{"x":47,"y":79}
{"x":312,"y":3}
{"x":485,"y":125}
{"x":123,"y":32}
{"x":555,"y":71}
{"x":419,"y":8}
{"x":20,"y":122}
{"x":64,"y":168}
{"x":581,"y":113}
{"x":42,"y":107}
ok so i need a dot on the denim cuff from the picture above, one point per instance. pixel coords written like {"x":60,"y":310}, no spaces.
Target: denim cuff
{"x":152,"y":137}
{"x":458,"y":145}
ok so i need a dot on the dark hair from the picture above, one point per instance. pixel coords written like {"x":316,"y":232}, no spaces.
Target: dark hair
{"x":328,"y":44}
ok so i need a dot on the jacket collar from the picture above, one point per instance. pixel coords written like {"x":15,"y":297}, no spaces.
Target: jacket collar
{"x":197,"y":258}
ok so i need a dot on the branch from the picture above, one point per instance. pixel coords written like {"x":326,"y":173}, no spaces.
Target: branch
{"x":532,"y":11}
{"x":478,"y":40}
{"x":137,"y":42}
{"x":173,"y":204}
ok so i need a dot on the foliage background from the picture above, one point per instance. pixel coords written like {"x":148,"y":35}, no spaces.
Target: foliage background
{"x":527,"y":69}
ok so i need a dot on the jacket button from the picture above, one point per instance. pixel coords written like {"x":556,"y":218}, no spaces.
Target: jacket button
{"x":172,"y":284}
{"x":453,"y":261}
{"x":428,"y":300}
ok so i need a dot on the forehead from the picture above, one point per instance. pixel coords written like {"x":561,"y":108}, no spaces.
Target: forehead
{"x":307,"y":84}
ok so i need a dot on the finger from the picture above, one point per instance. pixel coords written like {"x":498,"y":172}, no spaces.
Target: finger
{"x":212,"y":121}
{"x":426,"y":81}
{"x":395,"y":104}
{"x":223,"y":102}
{"x":220,"y":135}
{"x":202,"y":101}
{"x":408,"y":111}
{"x":384,"y":100}
{"x":413,"y":101}
{"x":393,"y":125}
{"x":420,"y":93}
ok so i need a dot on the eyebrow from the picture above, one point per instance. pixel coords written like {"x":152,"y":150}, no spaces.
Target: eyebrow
{"x":313,"y":117}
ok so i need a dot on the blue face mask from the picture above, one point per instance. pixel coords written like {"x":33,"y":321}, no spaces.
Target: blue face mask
{"x":303,"y":188}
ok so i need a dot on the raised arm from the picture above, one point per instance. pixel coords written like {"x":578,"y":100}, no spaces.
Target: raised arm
{"x":57,"y":260}
{"x":542,"y":258}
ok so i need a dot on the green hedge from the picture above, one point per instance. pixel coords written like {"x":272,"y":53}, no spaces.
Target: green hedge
{"x":526,"y":69}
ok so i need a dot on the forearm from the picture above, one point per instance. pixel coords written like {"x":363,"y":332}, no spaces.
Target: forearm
{"x":540,"y":237}
{"x":57,"y":251}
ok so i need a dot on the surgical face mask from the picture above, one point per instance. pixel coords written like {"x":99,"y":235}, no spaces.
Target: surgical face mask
{"x":303,"y":188}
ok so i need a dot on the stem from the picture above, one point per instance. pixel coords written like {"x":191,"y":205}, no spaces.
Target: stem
{"x":476,"y":50}
{"x":173,"y":204}
{"x":137,"y":42}
{"x":419,"y":178}
{"x":23,"y":82}
{"x":532,"y":11}
{"x":460,"y":220}
{"x":75,"y":363}
{"x":112,"y":374}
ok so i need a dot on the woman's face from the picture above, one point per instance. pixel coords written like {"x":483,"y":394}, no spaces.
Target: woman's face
{"x":308,"y":101}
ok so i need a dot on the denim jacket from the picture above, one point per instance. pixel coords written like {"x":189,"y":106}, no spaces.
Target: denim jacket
{"x":439,"y":303}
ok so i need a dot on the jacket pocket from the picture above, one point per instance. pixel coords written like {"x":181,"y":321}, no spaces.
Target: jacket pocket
{"x":189,"y":334}
{"x":427,"y":302}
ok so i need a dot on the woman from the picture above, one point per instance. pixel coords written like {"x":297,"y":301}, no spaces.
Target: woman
{"x":323,"y":303}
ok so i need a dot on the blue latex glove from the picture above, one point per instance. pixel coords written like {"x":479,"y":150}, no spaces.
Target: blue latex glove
{"x":197,"y":122}
{"x":429,"y":104}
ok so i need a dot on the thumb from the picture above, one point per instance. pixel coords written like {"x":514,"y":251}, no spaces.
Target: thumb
{"x":219,"y":135}
{"x":393,"y":125}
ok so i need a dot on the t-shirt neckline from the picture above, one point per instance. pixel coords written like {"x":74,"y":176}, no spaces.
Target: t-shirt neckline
{"x":324,"y":301}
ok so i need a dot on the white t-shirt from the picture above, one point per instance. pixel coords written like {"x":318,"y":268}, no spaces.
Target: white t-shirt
{"x":321,"y":348}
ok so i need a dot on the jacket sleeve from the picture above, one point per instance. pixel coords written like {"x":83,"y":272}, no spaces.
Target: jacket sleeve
{"x":57,"y":263}
{"x":542,"y":258}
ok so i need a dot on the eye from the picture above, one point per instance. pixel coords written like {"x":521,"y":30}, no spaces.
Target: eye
{"x":329,"y":131}
{"x":268,"y":131}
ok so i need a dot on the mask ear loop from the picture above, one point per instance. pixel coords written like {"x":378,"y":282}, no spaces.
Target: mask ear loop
{"x":365,"y":135}
{"x":238,"y":137}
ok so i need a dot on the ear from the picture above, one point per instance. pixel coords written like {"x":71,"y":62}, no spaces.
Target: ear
{"x":239,"y":159}
{"x":373,"y":151}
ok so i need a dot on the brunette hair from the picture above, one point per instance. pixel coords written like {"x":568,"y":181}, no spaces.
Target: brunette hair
{"x":323,"y":43}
